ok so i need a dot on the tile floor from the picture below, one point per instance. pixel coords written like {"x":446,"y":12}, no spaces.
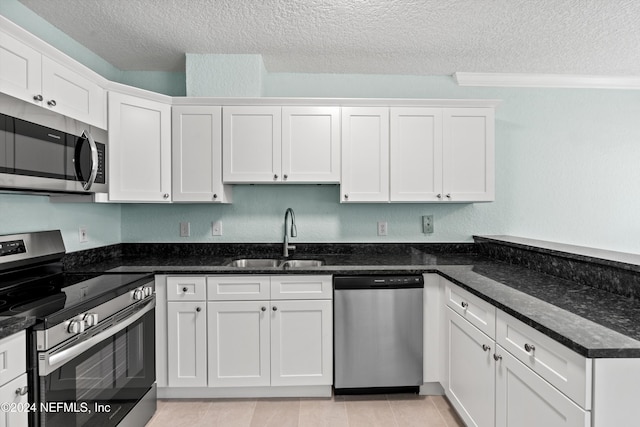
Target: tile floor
{"x":402,"y":410}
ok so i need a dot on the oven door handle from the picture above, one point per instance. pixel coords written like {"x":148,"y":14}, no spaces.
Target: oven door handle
{"x":53,"y":359}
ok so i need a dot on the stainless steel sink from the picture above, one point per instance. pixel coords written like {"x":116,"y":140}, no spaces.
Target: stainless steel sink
{"x":302,"y":263}
{"x":254,"y":263}
{"x":270,"y":262}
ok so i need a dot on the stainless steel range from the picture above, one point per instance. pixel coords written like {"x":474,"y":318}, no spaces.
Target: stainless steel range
{"x":92,"y":349}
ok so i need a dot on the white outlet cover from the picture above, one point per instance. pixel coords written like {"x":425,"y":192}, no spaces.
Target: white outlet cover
{"x":216,"y":228}
{"x":83,"y":234}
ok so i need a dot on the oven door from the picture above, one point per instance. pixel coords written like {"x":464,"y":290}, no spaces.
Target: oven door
{"x":98,"y":380}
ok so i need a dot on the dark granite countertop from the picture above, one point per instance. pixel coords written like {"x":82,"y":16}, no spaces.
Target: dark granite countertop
{"x":10,"y":325}
{"x":593,"y":322}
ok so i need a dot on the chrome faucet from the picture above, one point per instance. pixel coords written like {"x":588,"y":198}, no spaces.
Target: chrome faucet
{"x":294,"y":232}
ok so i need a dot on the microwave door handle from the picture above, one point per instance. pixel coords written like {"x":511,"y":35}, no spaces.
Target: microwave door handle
{"x":94,"y":161}
{"x":53,"y":359}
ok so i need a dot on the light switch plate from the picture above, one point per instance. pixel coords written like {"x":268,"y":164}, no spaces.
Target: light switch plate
{"x":185,"y":229}
{"x":427,"y":224}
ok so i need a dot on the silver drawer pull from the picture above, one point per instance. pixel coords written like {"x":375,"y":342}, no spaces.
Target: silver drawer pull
{"x":497,"y":357}
{"x":22,"y":391}
{"x":529,"y":347}
{"x":486,"y":347}
{"x":464,"y":304}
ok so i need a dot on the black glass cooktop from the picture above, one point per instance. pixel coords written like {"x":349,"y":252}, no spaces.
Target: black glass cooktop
{"x":52,"y":297}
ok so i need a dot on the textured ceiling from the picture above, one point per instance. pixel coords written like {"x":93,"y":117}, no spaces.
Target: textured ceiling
{"x":600,"y":37}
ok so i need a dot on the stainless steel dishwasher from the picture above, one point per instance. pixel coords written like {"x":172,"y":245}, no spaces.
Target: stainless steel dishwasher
{"x":377,"y":333}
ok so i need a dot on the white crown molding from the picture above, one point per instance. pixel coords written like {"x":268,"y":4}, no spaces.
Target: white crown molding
{"x":547,"y":80}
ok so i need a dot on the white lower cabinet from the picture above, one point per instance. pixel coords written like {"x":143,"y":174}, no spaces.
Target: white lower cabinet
{"x":489,"y":386}
{"x":301,"y":343}
{"x":226,"y":333}
{"x":471,"y":371}
{"x":13,"y":379}
{"x":524,"y":399}
{"x":187,"y":338}
{"x":239,"y":343}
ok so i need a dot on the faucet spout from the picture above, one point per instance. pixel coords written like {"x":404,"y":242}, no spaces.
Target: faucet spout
{"x":294,"y":232}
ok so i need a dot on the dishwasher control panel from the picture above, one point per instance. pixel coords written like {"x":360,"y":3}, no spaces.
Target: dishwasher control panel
{"x":375,"y":282}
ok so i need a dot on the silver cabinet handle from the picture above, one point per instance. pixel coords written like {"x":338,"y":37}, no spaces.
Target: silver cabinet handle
{"x":497,"y":357}
{"x":184,"y":290}
{"x":215,"y":196}
{"x":464,"y":304}
{"x":274,"y":308}
{"x":449,"y":196}
{"x":275,"y":177}
{"x":94,"y":160}
{"x":198,"y":309}
{"x":529,"y":347}
{"x":485,"y":347}
{"x":439,"y":196}
{"x":346,"y":197}
{"x":165,"y":196}
{"x":263,"y":308}
{"x":285,"y":176}
{"x":22,"y":391}
{"x":51,"y":103}
{"x":37,"y":98}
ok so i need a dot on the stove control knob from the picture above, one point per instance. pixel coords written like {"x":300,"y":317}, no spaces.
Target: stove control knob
{"x":138,"y":294}
{"x":148,"y":291}
{"x":76,"y":327}
{"x":91,"y":319}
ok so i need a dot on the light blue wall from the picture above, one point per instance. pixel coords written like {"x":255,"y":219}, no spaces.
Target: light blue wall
{"x":566,"y":171}
{"x":172,"y":84}
{"x":25,"y":213}
{"x":224,"y":75}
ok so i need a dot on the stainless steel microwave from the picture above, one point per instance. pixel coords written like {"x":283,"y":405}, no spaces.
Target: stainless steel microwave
{"x":38,"y":158}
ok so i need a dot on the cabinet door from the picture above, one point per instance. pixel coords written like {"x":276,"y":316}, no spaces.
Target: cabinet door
{"x":468,"y":150}
{"x":311,"y":144}
{"x":301,"y":337}
{"x":470,"y":383}
{"x":72,"y":95}
{"x":20,"y":69}
{"x":239,"y":343}
{"x":252,"y":144}
{"x":197,"y":154}
{"x":139,"y":149}
{"x":416,"y":154}
{"x":524,"y":399}
{"x":187,"y":343}
{"x":365,"y":154}
{"x":8,"y":395}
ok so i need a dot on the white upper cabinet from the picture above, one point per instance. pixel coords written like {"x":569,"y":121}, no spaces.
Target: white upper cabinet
{"x":27,"y":74}
{"x":68,"y":93}
{"x":20,"y":69}
{"x":197,"y":155}
{"x":252,"y":142}
{"x":139,"y":149}
{"x":416,"y":154}
{"x":365,"y":154}
{"x":311,"y":144}
{"x":264,"y":144}
{"x":468,"y":150}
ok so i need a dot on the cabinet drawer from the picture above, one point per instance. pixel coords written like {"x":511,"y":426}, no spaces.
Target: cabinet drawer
{"x":568,"y":371}
{"x":13,"y":357}
{"x":301,"y":287}
{"x":186,"y":288}
{"x":238,"y":288}
{"x":479,"y":313}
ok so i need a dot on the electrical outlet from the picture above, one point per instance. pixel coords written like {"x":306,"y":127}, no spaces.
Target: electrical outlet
{"x":83,"y":234}
{"x":382,"y":228}
{"x":427,"y":224}
{"x":185,"y":229}
{"x":216,"y":228}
